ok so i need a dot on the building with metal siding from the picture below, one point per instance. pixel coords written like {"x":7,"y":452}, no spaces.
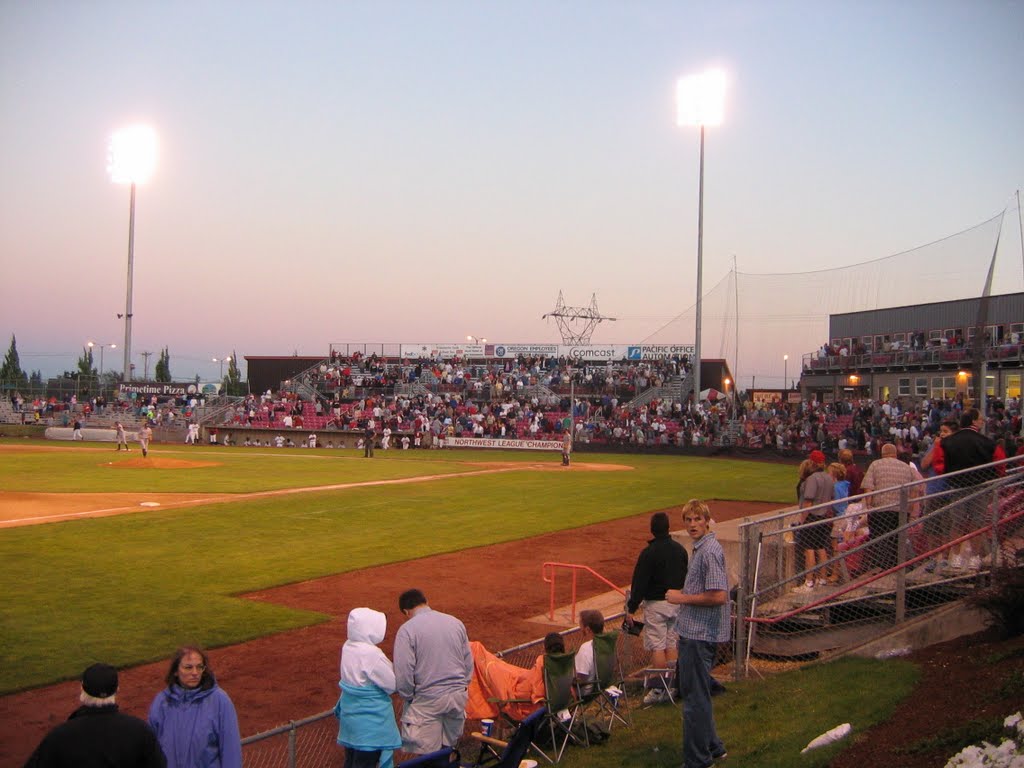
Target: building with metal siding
{"x":939,"y":316}
{"x":917,"y":352}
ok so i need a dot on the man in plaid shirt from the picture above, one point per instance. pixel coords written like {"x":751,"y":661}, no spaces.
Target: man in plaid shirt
{"x":703,"y":622}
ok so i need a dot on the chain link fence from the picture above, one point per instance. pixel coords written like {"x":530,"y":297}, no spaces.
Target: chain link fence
{"x":311,"y":742}
{"x":821,"y":580}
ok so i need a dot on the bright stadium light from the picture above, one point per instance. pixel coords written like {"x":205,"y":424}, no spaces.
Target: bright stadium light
{"x":700,"y":100}
{"x":93,"y":344}
{"x":131,"y":160}
{"x":476,"y":339}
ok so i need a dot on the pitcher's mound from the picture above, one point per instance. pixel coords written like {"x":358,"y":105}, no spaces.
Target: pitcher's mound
{"x":156,"y":462}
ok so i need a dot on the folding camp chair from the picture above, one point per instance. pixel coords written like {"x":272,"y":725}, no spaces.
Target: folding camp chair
{"x":514,"y":750}
{"x":562,"y":703}
{"x":610,"y":693}
{"x":443,"y":758}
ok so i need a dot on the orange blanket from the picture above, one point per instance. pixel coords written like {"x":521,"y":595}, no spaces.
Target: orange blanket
{"x":497,"y":679}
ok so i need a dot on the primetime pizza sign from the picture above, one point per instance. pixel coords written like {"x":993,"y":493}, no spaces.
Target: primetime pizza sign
{"x":148,"y":389}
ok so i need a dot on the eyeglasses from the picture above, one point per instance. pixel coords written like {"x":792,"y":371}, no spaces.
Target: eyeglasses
{"x":192,"y":667}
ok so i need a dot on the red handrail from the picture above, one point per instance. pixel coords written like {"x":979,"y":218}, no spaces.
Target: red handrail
{"x":548,"y":571}
{"x":875,"y":577}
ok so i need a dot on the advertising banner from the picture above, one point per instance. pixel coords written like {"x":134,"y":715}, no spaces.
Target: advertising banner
{"x":765,"y":397}
{"x":160,"y":389}
{"x":438,"y":350}
{"x":495,"y":442}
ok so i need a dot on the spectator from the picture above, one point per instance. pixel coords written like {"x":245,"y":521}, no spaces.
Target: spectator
{"x":815,"y":489}
{"x":366,"y":717}
{"x":704,"y":621}
{"x":193,"y":718}
{"x":887,"y":472}
{"x":96,"y":735}
{"x":433,"y":669}
{"x":591,"y":623}
{"x":963,"y":450}
{"x":660,"y":567}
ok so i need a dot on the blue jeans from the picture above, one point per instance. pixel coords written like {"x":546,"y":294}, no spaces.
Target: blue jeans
{"x":700,"y":740}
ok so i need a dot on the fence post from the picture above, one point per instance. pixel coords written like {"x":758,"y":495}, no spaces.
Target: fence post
{"x":739,"y":647}
{"x":994,"y":558}
{"x":292,"y":737}
{"x":901,"y":549}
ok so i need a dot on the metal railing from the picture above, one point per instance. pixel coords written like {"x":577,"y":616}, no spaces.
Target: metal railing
{"x":901,"y":553}
{"x":550,"y":569}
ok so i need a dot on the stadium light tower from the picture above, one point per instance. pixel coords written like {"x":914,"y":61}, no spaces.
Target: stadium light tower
{"x":700,"y":101}
{"x":131,"y":160}
{"x":476,"y":339}
{"x":222,"y":360}
{"x":92,"y":344}
{"x":785,"y":372}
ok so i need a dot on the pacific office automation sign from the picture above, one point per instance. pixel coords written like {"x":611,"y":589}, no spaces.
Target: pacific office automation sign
{"x":146,"y":389}
{"x":493,"y":442}
{"x":583,"y":353}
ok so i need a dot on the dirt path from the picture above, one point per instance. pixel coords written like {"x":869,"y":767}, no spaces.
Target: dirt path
{"x":294,"y":674}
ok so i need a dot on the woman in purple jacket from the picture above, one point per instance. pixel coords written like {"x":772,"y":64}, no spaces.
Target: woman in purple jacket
{"x":193,"y":718}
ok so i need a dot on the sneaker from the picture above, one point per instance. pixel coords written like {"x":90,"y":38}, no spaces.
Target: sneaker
{"x":974,"y":562}
{"x":655,"y":696}
{"x":720,"y":756}
{"x":956,"y":562}
{"x":821,"y":583}
{"x":807,"y":587}
{"x":929,"y":567}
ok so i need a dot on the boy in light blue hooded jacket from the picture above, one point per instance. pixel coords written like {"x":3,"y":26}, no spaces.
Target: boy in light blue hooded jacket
{"x":366,"y":717}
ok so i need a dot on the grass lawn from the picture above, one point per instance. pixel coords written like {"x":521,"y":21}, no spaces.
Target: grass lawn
{"x":765,"y":723}
{"x":127,"y":588}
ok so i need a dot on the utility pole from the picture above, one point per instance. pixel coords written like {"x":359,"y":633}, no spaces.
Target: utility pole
{"x":145,"y":375}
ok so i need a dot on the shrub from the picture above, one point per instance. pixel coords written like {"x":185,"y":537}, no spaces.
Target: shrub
{"x":1003,"y":600}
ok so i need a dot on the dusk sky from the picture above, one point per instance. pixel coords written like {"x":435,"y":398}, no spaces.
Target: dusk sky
{"x":420,"y":171}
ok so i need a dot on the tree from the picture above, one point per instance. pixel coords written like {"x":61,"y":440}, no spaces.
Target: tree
{"x":232,"y":383}
{"x":36,"y":379}
{"x":11,"y":371}
{"x":85,"y":366}
{"x":163,"y":366}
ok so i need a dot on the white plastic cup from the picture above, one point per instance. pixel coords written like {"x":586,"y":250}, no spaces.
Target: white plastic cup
{"x":486,"y":726}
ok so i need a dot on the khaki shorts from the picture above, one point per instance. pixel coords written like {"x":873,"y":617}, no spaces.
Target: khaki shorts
{"x":659,"y":625}
{"x":429,"y":724}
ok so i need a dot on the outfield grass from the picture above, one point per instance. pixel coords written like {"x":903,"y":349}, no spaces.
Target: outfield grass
{"x":765,"y":723}
{"x":128,"y":588}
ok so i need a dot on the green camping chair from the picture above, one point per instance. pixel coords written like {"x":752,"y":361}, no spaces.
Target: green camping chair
{"x":562,"y":703}
{"x":610,"y":690}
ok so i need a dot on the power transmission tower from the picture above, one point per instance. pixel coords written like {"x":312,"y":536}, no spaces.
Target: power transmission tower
{"x":146,"y":355}
{"x":576,"y":324}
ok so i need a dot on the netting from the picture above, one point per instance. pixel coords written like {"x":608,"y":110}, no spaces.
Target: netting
{"x":765,"y":316}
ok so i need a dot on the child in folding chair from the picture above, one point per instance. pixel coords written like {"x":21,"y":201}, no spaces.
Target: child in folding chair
{"x":366,"y":717}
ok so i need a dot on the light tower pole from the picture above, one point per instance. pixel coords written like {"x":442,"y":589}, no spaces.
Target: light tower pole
{"x":700,"y":101}
{"x":131,"y":160}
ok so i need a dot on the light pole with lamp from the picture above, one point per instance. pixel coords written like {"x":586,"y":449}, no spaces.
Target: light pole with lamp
{"x":476,"y":339}
{"x":700,"y":100}
{"x":222,"y":360}
{"x":93,"y":344}
{"x":785,"y":372}
{"x":132,"y":160}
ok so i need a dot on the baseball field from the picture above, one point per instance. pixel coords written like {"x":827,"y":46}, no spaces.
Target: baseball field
{"x":109,"y":556}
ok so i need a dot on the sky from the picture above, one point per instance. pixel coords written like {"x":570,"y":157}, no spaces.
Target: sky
{"x":421,"y":171}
